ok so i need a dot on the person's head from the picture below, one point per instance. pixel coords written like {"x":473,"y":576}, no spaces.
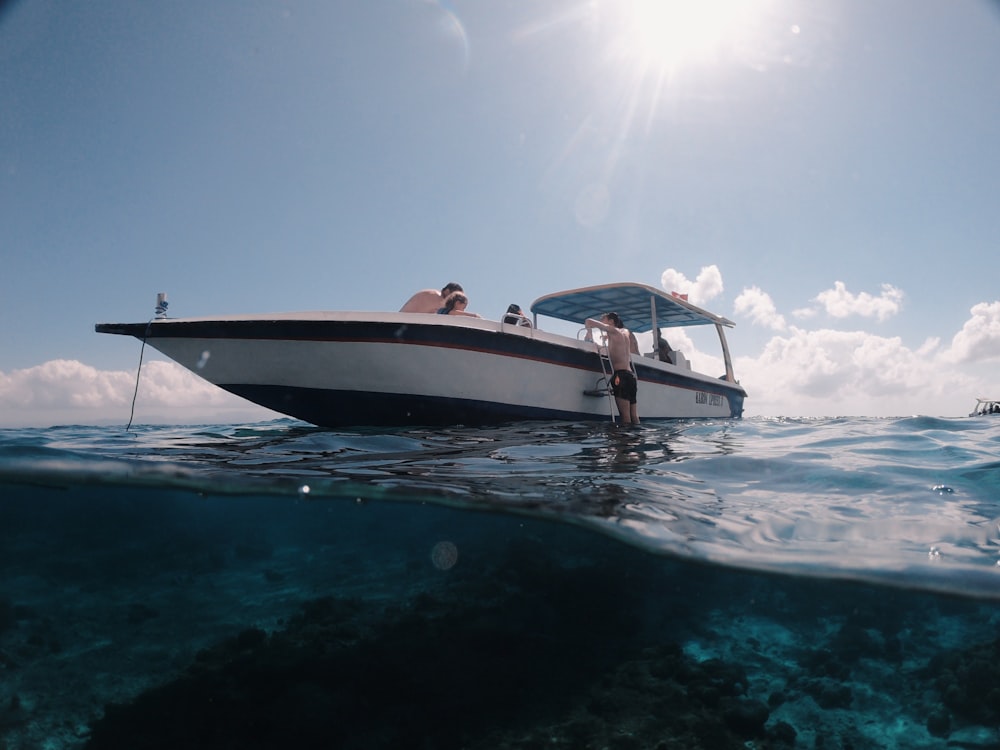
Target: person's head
{"x":514,"y":309}
{"x":450,"y":287}
{"x":456,"y":300}
{"x":613,"y":319}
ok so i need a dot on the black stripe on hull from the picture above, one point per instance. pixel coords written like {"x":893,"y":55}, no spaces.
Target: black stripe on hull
{"x":332,"y":408}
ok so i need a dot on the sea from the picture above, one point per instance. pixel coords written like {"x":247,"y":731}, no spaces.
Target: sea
{"x":830,"y":584}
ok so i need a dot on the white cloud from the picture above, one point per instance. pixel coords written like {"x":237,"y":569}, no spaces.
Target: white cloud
{"x":827,"y":373}
{"x":979,"y":339}
{"x":69,"y":392}
{"x":706,"y":287}
{"x":840,"y":303}
{"x":759,"y":307}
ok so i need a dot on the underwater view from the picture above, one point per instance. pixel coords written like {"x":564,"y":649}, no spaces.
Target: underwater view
{"x":760,"y":583}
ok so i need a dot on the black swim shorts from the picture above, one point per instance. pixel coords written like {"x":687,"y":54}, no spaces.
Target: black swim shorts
{"x":623,"y":385}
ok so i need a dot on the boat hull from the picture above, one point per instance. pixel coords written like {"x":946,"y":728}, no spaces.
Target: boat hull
{"x":397,"y":369}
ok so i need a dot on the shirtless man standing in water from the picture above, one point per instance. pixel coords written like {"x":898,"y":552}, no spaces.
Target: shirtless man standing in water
{"x":623,"y":383}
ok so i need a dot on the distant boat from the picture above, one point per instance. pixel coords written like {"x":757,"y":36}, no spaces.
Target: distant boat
{"x":352,"y":369}
{"x":985,"y":406}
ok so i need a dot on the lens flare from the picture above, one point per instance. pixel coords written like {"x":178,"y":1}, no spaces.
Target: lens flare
{"x":444,"y":555}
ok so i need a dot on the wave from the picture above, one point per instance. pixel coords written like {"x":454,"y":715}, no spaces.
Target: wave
{"x":907,"y":502}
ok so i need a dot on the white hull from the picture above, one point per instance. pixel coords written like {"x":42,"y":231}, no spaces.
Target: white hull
{"x":348,"y":369}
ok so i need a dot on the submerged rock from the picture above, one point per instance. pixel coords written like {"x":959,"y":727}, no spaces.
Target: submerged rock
{"x":969,"y":682}
{"x":939,"y":722}
{"x":745,"y":717}
{"x":545,"y":662}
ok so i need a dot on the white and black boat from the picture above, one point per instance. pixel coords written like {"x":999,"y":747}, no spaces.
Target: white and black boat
{"x":352,"y":369}
{"x":986,"y":406}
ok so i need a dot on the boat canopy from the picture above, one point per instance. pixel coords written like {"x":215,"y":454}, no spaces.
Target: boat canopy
{"x":640,"y":307}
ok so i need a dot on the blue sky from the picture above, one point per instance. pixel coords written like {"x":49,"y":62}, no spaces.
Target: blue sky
{"x":823,"y":173}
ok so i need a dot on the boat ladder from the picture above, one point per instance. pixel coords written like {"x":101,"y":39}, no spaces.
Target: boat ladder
{"x":603,"y":385}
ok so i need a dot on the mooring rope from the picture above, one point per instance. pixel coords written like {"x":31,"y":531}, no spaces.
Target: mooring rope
{"x":135,"y":393}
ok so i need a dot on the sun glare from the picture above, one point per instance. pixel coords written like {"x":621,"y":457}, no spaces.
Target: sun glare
{"x":671,"y":33}
{"x":633,"y":57}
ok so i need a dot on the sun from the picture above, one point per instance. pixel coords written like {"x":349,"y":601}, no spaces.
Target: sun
{"x":673,"y":33}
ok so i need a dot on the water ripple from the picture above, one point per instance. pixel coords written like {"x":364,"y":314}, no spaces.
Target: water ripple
{"x":910,"y":501}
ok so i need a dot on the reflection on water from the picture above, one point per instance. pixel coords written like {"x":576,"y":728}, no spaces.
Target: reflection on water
{"x":836,"y":497}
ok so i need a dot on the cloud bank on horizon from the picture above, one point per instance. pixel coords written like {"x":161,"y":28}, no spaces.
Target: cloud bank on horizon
{"x":64,"y":392}
{"x":800,"y":372}
{"x":829,"y":371}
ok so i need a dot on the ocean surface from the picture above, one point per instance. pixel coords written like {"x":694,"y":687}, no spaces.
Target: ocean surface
{"x":758,"y":583}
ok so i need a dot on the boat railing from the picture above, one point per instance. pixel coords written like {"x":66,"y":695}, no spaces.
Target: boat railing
{"x":513,"y":319}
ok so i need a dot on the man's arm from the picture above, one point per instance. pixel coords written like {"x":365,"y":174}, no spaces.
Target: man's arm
{"x":592,"y":323}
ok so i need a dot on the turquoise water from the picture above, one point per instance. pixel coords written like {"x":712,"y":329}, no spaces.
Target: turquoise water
{"x":826,"y":583}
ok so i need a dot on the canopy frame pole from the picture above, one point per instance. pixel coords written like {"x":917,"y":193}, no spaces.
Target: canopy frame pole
{"x":730,"y":375}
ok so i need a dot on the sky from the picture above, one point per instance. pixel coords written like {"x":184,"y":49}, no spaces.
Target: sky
{"x":824,"y":173}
